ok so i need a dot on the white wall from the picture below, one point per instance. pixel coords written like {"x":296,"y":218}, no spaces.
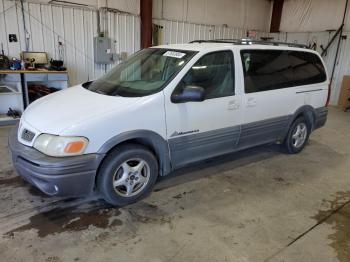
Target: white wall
{"x":177,"y":32}
{"x":313,"y":15}
{"x":130,"y":6}
{"x":75,"y":27}
{"x":252,"y":14}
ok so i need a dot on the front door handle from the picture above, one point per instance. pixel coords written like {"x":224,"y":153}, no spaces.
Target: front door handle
{"x":251,"y":102}
{"x":233,"y":105}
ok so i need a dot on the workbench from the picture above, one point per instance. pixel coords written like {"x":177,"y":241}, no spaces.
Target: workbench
{"x":14,"y":88}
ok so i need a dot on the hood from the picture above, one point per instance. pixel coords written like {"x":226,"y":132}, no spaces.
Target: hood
{"x":67,"y":108}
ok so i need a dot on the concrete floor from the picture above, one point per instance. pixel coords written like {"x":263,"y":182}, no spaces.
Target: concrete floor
{"x":258,"y":205}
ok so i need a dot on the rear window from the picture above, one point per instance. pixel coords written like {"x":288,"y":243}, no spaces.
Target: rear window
{"x":275,"y":69}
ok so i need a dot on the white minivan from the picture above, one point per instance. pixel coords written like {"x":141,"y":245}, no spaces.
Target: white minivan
{"x":166,"y":107}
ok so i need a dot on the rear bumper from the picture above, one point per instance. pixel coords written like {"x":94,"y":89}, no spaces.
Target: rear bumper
{"x":67,"y":176}
{"x":321,"y":117}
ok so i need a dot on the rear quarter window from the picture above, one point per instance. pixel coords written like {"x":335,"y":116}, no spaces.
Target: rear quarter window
{"x":275,"y":69}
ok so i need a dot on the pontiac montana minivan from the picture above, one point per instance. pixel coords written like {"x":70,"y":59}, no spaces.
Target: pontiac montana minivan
{"x":166,"y":107}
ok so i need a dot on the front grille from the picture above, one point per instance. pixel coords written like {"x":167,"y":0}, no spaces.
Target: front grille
{"x":27,"y":135}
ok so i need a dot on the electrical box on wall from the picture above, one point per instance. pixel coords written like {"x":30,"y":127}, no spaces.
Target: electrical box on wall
{"x":103,"y":50}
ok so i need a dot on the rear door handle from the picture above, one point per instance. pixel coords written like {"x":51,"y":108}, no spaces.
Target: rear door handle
{"x":251,"y":102}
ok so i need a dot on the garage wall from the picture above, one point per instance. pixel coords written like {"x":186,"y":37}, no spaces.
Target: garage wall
{"x":74,"y":27}
{"x":130,"y":6}
{"x":313,"y":15}
{"x":252,"y":14}
{"x":322,"y":38}
{"x":177,"y":32}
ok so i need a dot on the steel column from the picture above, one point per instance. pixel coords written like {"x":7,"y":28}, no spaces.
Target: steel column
{"x":146,"y":23}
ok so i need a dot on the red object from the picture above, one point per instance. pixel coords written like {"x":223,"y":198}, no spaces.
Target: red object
{"x":276,"y":16}
{"x":146,"y":23}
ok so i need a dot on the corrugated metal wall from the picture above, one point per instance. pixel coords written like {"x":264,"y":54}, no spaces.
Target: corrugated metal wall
{"x":176,"y":32}
{"x":322,"y":38}
{"x":46,"y":25}
{"x":75,"y":27}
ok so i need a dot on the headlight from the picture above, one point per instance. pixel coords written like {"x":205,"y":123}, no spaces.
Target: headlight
{"x":60,"y":146}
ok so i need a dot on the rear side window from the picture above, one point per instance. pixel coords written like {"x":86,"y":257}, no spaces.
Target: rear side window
{"x":307,"y":68}
{"x":275,"y":69}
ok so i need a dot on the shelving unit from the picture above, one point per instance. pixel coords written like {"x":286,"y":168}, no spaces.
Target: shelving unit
{"x":58,"y":80}
{"x":14,"y":89}
{"x":11,"y":96}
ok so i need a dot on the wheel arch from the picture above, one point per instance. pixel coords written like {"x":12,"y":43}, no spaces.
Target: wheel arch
{"x":308,"y":112}
{"x":153,"y":141}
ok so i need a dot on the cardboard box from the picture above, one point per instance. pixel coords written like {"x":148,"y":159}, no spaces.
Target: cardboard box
{"x":344,"y":96}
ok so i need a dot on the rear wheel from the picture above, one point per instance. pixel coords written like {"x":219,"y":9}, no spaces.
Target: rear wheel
{"x":127,"y":175}
{"x":297,"y":136}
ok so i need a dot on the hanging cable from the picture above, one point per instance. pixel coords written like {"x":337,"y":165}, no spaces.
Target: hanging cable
{"x":26,"y":35}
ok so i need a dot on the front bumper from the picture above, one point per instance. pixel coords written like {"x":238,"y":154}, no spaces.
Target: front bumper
{"x":66,"y":176}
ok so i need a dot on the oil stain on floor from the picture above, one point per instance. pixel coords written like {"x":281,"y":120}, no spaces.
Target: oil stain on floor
{"x":96,"y":213}
{"x":338,"y":216}
{"x":70,"y":219}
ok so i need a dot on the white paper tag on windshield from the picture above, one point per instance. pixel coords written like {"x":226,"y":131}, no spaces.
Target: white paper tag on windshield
{"x":174,"y":54}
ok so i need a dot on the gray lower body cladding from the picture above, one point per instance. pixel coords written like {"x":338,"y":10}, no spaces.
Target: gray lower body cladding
{"x":196,"y":147}
{"x":68,"y":176}
{"x":263,"y":132}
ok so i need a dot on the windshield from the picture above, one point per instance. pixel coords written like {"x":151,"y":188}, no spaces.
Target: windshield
{"x":144,"y":73}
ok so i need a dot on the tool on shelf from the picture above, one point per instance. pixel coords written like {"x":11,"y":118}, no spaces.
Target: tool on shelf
{"x":15,"y":64}
{"x":13,"y":113}
{"x":58,"y":65}
{"x":29,"y":64}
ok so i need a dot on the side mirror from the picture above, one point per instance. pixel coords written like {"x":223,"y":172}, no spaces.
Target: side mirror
{"x":189,"y":94}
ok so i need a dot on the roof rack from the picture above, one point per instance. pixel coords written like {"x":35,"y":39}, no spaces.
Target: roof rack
{"x":250,"y":42}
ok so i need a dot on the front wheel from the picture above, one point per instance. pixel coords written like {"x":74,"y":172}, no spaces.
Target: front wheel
{"x":127,"y":175}
{"x":297,"y":136}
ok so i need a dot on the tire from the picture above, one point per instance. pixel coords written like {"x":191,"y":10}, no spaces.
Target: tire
{"x":127,"y":174}
{"x":298,"y":136}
